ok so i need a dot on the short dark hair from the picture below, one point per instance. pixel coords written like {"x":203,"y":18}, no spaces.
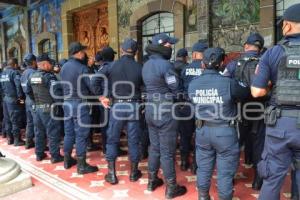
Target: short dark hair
{"x":12,"y":61}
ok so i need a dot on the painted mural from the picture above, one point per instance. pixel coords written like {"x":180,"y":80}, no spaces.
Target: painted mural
{"x":45,"y":17}
{"x":15,"y":33}
{"x":90,"y":27}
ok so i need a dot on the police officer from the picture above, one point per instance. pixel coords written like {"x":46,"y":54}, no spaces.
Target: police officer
{"x":187,"y":126}
{"x":278,"y":71}
{"x":161,"y":85}
{"x":31,"y":65}
{"x":181,"y":60}
{"x":41,"y":87}
{"x":13,"y":98}
{"x":124,"y":110}
{"x":252,"y":132}
{"x":76,"y":109}
{"x":214,"y":97}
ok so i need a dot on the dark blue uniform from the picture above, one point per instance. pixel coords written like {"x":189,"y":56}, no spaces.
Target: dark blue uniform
{"x":162,"y":132}
{"x":28,"y":103}
{"x":76,"y":108}
{"x":215,"y":98}
{"x":282,"y":142}
{"x":41,"y":87}
{"x":12,"y":91}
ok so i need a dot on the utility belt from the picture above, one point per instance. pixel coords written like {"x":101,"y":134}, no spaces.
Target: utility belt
{"x":42,"y":106}
{"x":273,"y":113}
{"x":201,"y":123}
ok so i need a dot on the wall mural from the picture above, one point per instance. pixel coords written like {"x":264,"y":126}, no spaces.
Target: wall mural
{"x":91,"y":27}
{"x":233,"y":21}
{"x":46,"y":17}
{"x":15,"y":32}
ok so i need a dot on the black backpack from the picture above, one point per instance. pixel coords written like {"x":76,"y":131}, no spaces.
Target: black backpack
{"x":245,"y":70}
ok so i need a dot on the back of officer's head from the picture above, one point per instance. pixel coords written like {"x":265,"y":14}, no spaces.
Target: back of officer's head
{"x":182,"y":55}
{"x":44,"y":62}
{"x":77,"y":50}
{"x":13,"y":62}
{"x":213,"y":58}
{"x":129,"y":47}
{"x":255,"y":42}
{"x":291,"y":20}
{"x":198,"y":49}
{"x":30,"y":60}
{"x":108,"y":54}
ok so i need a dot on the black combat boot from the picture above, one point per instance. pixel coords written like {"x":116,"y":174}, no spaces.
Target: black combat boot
{"x":111,"y":177}
{"x":257,"y":181}
{"x":173,"y":190}
{"x":18,"y":141}
{"x":29,"y":143}
{"x":203,"y":195}
{"x":40,"y":157}
{"x":184,"y":162}
{"x":57,"y":159}
{"x":69,"y":161}
{"x":10,"y":139}
{"x":135,"y":173}
{"x":153,"y":181}
{"x":83,"y":167}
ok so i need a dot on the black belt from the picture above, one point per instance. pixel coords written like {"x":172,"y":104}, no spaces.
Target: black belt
{"x":201,"y":123}
{"x":126,"y":100}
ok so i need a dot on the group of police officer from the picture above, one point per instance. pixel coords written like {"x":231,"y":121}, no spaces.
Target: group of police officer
{"x":203,"y":97}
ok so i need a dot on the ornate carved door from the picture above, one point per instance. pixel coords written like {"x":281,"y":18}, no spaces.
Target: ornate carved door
{"x":90,"y":27}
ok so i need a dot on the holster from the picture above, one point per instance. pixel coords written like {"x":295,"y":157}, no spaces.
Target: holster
{"x":271,"y":115}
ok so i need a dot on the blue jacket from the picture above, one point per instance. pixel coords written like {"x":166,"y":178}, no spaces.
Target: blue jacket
{"x":24,"y":79}
{"x":191,"y":72}
{"x":72,"y":72}
{"x":11,"y":84}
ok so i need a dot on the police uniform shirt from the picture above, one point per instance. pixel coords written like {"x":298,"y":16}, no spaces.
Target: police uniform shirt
{"x":25,"y":77}
{"x":98,"y":83}
{"x":215,"y":96}
{"x":160,"y":78}
{"x":230,"y":68}
{"x":190,"y":72}
{"x":268,"y":65}
{"x":71,"y":72}
{"x":11,"y":84}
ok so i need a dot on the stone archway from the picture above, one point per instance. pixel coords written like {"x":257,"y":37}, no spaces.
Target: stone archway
{"x":12,"y":47}
{"x":41,"y":38}
{"x":172,"y":6}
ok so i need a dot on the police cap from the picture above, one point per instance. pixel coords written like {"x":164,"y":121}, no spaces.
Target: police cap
{"x":29,"y":58}
{"x":199,"y":46}
{"x":213,"y":56}
{"x":163,"y":38}
{"x":108,"y":53}
{"x":45,"y":57}
{"x":129,"y":45}
{"x":292,"y":13}
{"x":75,"y":47}
{"x":182,"y":53}
{"x":256,"y":39}
{"x":98,"y":56}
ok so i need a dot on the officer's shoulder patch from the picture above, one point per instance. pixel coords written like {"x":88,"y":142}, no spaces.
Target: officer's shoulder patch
{"x":171,"y":80}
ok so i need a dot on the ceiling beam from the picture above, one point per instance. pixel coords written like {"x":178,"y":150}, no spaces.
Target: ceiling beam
{"x":15,"y":2}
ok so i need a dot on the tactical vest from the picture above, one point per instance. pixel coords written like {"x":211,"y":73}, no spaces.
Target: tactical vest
{"x":40,"y":90}
{"x":287,"y":89}
{"x":245,"y":70}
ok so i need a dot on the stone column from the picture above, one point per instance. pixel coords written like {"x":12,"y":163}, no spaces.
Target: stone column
{"x":267,"y":21}
{"x":3,"y":41}
{"x":203,"y":7}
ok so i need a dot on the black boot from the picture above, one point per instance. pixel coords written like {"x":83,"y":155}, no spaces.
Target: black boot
{"x":29,"y":143}
{"x":203,"y":196}
{"x":69,"y":161}
{"x":153,"y":181}
{"x":83,"y":167}
{"x":10,"y":140}
{"x":184,"y":162}
{"x":40,"y":157}
{"x":111,"y":177}
{"x":57,"y":159}
{"x":194,"y":168}
{"x":257,"y":181}
{"x":135,"y":173}
{"x":18,"y":141}
{"x":173,"y":190}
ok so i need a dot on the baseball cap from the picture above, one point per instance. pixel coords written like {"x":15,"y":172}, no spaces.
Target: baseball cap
{"x":162,"y":38}
{"x":213,"y":56}
{"x":182,"y":53}
{"x":75,"y":47}
{"x":199,"y":46}
{"x":129,"y":45}
{"x":256,"y":39}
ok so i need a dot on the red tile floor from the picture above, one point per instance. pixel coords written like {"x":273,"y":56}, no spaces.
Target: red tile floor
{"x":52,"y":181}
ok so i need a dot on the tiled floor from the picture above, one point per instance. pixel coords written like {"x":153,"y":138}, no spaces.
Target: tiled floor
{"x":55,"y":183}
